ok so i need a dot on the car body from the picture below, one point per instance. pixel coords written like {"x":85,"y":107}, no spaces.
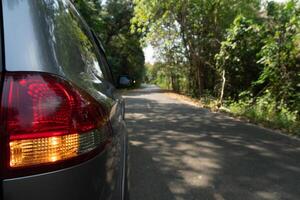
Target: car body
{"x":55,"y":77}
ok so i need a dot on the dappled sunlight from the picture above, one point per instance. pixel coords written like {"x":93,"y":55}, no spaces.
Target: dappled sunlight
{"x":268,"y":195}
{"x":195,"y":153}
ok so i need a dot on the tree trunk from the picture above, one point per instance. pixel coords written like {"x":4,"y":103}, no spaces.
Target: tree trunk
{"x":223,"y":88}
{"x":200,"y":80}
{"x":173,"y":84}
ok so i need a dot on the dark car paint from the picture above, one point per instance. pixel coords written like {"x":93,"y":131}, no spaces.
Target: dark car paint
{"x":43,"y":36}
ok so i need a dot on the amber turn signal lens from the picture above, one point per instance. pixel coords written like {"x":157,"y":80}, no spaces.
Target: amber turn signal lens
{"x":43,"y":150}
{"x":48,"y":150}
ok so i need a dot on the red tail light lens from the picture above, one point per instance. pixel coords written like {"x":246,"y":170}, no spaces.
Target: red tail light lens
{"x":49,"y":120}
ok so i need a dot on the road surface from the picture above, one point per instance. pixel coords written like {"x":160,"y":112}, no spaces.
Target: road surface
{"x":178,"y":151}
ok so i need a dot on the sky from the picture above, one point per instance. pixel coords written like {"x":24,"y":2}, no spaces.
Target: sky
{"x":149,"y":51}
{"x":149,"y":54}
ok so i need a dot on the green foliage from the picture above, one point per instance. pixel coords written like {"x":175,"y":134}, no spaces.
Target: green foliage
{"x":258,"y":48}
{"x":196,"y":40}
{"x":281,"y":55}
{"x":238,"y":56}
{"x":265,"y":111}
{"x":111,"y":22}
{"x":188,"y":33}
{"x":167,"y":76}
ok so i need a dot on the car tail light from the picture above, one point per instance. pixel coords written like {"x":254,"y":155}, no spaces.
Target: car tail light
{"x":49,"y":121}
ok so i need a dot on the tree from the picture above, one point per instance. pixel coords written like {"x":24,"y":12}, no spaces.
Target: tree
{"x":111,"y":22}
{"x":238,"y":56}
{"x":281,"y":54}
{"x":199,"y":25}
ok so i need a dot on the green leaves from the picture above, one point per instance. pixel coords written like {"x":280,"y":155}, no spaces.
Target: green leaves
{"x":238,"y":55}
{"x":189,"y":33}
{"x":280,"y":54}
{"x":196,"y":40}
{"x":111,"y":22}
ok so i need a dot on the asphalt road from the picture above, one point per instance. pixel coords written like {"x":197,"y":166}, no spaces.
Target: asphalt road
{"x":178,"y":151}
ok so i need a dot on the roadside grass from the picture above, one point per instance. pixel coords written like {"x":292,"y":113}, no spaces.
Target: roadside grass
{"x":263,"y":112}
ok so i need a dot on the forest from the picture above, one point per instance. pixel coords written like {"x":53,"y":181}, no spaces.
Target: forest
{"x":239,"y":56}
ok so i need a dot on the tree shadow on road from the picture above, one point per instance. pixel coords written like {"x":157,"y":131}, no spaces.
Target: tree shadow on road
{"x":183,"y":152}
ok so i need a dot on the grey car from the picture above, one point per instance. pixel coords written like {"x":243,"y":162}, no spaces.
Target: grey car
{"x":62,"y":131}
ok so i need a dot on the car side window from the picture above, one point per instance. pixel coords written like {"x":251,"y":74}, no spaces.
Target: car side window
{"x":105,"y":66}
{"x":88,"y":49}
{"x":75,"y":48}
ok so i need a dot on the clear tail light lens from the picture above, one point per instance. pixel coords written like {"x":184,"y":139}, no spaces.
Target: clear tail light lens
{"x":48,"y":120}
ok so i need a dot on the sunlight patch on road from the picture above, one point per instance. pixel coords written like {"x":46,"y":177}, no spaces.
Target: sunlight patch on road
{"x":196,"y":180}
{"x":136,"y":143}
{"x":134,"y":116}
{"x":268,"y":195}
{"x":218,"y":197}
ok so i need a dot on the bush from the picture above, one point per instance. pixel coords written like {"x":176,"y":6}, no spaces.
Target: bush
{"x":265,"y":110}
